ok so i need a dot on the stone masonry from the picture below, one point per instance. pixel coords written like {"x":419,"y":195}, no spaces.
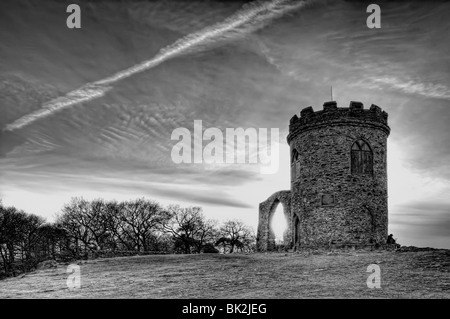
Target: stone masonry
{"x":338,"y":190}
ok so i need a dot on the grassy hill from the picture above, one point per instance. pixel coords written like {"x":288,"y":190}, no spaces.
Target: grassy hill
{"x":421,"y":273}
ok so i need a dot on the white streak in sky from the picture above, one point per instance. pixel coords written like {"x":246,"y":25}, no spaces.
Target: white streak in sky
{"x":250,"y":18}
{"x":438,"y":91}
{"x":86,"y":93}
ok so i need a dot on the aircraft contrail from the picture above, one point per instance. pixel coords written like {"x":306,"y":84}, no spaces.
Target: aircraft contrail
{"x":250,"y":18}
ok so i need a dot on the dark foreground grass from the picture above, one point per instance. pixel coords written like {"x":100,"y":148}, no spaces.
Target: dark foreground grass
{"x":336,"y":274}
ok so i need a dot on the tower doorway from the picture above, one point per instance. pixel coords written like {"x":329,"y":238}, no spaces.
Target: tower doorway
{"x":296,"y":231}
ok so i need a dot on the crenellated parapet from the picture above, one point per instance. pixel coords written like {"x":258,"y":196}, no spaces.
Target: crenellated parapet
{"x":332,"y":115}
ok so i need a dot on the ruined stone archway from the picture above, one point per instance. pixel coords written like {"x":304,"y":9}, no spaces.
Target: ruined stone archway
{"x":266,"y":238}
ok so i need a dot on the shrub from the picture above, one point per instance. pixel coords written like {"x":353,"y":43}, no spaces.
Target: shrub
{"x":210,"y":249}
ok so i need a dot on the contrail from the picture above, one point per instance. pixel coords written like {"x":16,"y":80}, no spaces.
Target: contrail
{"x":250,"y":18}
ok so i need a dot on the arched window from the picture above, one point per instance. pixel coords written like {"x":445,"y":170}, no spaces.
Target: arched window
{"x":361,"y":158}
{"x":295,"y":165}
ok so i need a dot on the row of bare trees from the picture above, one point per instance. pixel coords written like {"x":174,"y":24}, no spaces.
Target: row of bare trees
{"x":85,"y":229}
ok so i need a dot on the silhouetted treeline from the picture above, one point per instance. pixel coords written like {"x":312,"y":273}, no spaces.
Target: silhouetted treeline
{"x":89,"y":229}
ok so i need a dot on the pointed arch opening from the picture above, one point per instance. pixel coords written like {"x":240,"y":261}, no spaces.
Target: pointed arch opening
{"x":278,"y":224}
{"x":361,"y":158}
{"x":295,"y":165}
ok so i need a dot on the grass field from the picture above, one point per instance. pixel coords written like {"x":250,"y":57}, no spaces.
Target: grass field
{"x":342,"y":274}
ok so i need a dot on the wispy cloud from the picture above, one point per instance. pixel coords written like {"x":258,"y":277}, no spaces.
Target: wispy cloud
{"x":249,"y":19}
{"x":182,"y":184}
{"x":424,"y":89}
{"x":425,"y":220}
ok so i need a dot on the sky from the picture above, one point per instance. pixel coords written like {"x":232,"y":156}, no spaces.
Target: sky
{"x":145,"y":68}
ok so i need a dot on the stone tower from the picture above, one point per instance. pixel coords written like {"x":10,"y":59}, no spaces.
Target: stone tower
{"x":338,"y":192}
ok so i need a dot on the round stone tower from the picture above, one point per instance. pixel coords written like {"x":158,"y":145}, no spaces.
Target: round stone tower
{"x":338,"y":176}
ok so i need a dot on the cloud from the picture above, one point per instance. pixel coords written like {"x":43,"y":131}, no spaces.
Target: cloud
{"x":250,"y":18}
{"x":20,"y":95}
{"x":431,"y":90}
{"x":174,"y":185}
{"x":430,"y":219}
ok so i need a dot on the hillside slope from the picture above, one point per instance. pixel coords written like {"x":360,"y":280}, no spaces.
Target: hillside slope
{"x":342,"y":274}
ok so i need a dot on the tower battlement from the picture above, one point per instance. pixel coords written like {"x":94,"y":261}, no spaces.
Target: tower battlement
{"x":331,"y":115}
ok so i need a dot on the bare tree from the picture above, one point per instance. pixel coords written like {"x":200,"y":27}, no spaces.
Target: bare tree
{"x":235,"y":234}
{"x":11,"y":221}
{"x":75,"y":219}
{"x":207,"y":233}
{"x":19,"y":240}
{"x":141,"y":218}
{"x":188,"y":227}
